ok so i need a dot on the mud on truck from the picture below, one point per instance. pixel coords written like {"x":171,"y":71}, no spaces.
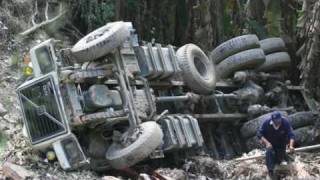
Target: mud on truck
{"x":111,"y":101}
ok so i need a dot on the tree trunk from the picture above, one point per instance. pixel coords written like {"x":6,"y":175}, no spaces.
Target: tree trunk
{"x":175,"y":22}
{"x":310,"y":51}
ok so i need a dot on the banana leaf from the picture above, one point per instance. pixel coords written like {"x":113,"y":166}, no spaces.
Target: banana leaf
{"x":273,"y":16}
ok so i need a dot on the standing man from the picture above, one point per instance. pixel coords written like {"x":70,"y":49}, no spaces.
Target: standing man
{"x":275,"y":133}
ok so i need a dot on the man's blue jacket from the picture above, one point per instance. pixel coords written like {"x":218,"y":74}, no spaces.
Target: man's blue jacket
{"x":279,"y":138}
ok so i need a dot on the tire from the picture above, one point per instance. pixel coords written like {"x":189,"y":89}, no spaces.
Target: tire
{"x":253,"y":143}
{"x":297,"y":120}
{"x":198,"y":71}
{"x":272,"y":45}
{"x":234,"y":46}
{"x":248,"y":59}
{"x":275,"y":61}
{"x":301,"y":119}
{"x":250,"y":128}
{"x":113,"y":35}
{"x":149,"y":139}
{"x":303,"y":137}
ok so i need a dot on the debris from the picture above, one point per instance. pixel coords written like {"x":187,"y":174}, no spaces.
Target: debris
{"x":16,"y":172}
{"x":3,"y":32}
{"x":202,"y":165}
{"x":3,"y":111}
{"x":302,"y":166}
{"x":300,"y":169}
{"x":168,"y":174}
{"x":144,"y":176}
{"x":109,"y":178}
{"x":3,"y":26}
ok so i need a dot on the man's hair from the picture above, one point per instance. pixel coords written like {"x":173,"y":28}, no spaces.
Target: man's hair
{"x":276,"y":115}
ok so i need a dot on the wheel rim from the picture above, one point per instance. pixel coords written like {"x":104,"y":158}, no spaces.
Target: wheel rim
{"x":201,"y":68}
{"x":97,"y":34}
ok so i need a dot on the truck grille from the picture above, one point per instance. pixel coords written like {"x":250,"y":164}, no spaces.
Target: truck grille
{"x":41,"y":108}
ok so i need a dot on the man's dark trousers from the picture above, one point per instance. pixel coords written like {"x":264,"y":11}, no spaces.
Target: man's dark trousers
{"x":273,"y":157}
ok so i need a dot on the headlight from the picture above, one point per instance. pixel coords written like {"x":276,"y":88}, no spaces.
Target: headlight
{"x":27,"y":71}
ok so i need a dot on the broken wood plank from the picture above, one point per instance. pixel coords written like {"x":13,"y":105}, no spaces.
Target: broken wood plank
{"x":16,"y":172}
{"x":159,"y":176}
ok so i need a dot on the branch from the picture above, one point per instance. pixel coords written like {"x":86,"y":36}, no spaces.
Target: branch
{"x":44,"y":23}
{"x":35,"y":14}
{"x":46,"y":11}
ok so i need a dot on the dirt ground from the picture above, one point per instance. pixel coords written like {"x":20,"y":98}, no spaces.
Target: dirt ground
{"x":304,"y":166}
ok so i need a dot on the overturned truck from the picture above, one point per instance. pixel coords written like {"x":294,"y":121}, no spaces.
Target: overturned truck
{"x":111,"y":101}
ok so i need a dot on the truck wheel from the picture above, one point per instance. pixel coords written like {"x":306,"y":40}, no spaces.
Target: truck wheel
{"x":253,"y":143}
{"x":297,"y":120}
{"x":301,"y":119}
{"x":234,"y":46}
{"x":275,"y":61}
{"x":272,"y":45}
{"x":198,"y":71}
{"x":248,"y":59}
{"x":250,"y":128}
{"x":149,"y":138}
{"x":303,"y":137}
{"x":100,"y":42}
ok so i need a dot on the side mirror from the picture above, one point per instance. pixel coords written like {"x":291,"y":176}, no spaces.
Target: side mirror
{"x":43,"y":58}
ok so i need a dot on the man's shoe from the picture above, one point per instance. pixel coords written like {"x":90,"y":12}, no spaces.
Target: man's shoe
{"x":283,"y":163}
{"x":271,"y":174}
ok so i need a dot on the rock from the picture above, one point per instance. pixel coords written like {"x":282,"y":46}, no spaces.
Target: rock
{"x":109,"y":178}
{"x":16,"y":172}
{"x":3,"y":110}
{"x":202,"y":165}
{"x":144,"y":176}
{"x":168,"y":173}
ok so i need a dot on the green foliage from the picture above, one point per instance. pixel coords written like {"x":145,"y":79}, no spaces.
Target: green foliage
{"x":257,"y":28}
{"x":273,"y":15}
{"x":234,"y":18}
{"x":105,"y":13}
{"x":96,"y":13}
{"x":229,"y":26}
{"x":132,"y":5}
{"x":301,"y":18}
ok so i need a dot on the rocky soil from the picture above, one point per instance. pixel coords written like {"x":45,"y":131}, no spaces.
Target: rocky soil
{"x":303,"y":166}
